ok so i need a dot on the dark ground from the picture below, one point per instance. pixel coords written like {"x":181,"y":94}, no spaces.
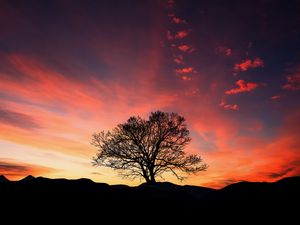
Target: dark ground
{"x":54,"y":199}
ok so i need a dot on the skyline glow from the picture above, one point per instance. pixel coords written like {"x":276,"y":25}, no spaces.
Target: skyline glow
{"x":69,"y":69}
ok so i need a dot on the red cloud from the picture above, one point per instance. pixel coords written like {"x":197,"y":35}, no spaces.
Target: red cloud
{"x":185,"y":48}
{"x":244,"y":66}
{"x":178,"y":59}
{"x":226,"y":106}
{"x":223,"y":50}
{"x":185,"y":70}
{"x":178,"y":35}
{"x":181,"y":34}
{"x":186,"y":78}
{"x":177,"y":20}
{"x":248,"y":63}
{"x":293,"y":82}
{"x":257,"y":62}
{"x":275,"y":97}
{"x":242,"y":87}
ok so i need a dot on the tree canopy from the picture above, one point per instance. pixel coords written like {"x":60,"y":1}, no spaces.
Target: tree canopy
{"x":148,"y":148}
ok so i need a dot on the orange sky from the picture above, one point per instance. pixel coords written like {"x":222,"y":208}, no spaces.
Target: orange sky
{"x":78,"y":69}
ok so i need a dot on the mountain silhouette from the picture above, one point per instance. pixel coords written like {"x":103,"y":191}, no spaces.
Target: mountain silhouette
{"x":29,"y":177}
{"x":3,"y":179}
{"x":84,"y":197}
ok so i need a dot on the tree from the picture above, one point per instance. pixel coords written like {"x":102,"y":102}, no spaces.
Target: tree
{"x":147,"y":148}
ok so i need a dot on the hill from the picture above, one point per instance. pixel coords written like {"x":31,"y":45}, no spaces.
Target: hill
{"x":83,"y":196}
{"x":3,"y":179}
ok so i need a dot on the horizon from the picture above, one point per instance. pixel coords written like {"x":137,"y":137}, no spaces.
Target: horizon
{"x":70,"y":69}
{"x":143,"y":183}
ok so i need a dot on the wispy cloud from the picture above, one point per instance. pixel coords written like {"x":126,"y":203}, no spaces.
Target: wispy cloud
{"x":243,"y":86}
{"x":224,"y":50}
{"x":275,"y":97}
{"x":178,"y":59}
{"x":97,"y":173}
{"x":178,"y":20}
{"x":281,"y":173}
{"x":226,"y":106}
{"x":247,"y":64}
{"x":293,"y":82}
{"x":17,"y":119}
{"x":186,"y":78}
{"x":14,"y":169}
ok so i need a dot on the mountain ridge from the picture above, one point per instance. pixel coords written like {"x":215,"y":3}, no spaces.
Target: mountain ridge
{"x":83,"y":197}
{"x":161,"y":185}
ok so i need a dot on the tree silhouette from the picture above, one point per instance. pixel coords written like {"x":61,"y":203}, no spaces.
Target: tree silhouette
{"x":147,"y":148}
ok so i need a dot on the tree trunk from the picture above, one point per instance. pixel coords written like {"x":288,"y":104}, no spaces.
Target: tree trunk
{"x":145,"y":174}
{"x":148,"y":181}
{"x":152,"y":177}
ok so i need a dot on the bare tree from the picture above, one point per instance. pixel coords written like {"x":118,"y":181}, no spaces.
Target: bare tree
{"x":147,"y":148}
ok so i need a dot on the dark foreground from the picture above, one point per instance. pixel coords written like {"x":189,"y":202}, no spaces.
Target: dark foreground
{"x":83,"y":199}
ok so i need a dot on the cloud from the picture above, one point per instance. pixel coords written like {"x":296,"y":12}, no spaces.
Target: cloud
{"x":96,"y":173}
{"x":181,"y":34}
{"x":66,"y":109}
{"x":224,"y":50}
{"x":185,"y":70}
{"x":243,"y":66}
{"x":242,"y":87}
{"x":247,"y":64}
{"x":226,"y":106}
{"x":10,"y":167}
{"x":186,"y":78}
{"x":258,"y":62}
{"x":252,"y":158}
{"x":178,"y":20}
{"x":17,"y":119}
{"x":275,"y":97}
{"x":293,"y":82}
{"x":281,"y":173}
{"x":178,"y":59}
{"x":17,"y":170}
{"x":185,"y":48}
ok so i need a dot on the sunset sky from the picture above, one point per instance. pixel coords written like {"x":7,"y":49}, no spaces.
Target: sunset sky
{"x":72,"y":68}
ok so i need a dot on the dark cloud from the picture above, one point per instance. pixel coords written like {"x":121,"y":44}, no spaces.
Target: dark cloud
{"x":293,"y":82}
{"x":230,"y":181}
{"x":17,"y":119}
{"x":281,"y":173}
{"x":13,"y":168}
{"x":18,"y":170}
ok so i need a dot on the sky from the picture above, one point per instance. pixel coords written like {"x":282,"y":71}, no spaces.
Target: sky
{"x":69,"y":69}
